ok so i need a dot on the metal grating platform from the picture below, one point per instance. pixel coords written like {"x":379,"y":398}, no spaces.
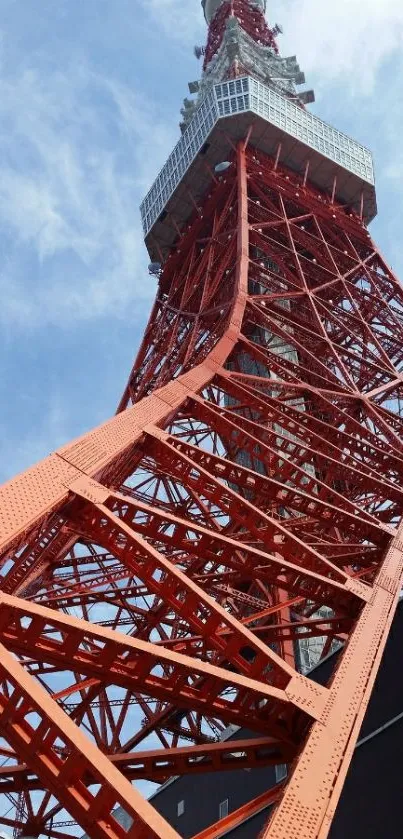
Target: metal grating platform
{"x":229,"y":108}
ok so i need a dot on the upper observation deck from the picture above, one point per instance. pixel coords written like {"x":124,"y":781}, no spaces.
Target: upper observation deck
{"x":336,"y":164}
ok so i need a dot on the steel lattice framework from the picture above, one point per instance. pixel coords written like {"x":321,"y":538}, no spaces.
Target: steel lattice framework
{"x":158,"y":574}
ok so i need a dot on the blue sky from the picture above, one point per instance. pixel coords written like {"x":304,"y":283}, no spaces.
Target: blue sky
{"x":90,"y":94}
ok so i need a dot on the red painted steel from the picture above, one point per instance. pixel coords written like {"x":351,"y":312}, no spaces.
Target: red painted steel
{"x":249,"y":17}
{"x":242,"y":814}
{"x":157,"y":573}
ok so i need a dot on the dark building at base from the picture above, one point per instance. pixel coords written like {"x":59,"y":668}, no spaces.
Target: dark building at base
{"x":371,"y":803}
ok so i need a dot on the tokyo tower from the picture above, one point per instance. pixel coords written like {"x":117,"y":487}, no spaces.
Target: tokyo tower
{"x":179,"y":568}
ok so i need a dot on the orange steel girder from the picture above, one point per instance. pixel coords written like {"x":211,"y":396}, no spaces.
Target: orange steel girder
{"x":168,"y":562}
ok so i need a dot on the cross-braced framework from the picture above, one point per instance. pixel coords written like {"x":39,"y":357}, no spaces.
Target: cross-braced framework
{"x":249,"y":17}
{"x":159,"y":572}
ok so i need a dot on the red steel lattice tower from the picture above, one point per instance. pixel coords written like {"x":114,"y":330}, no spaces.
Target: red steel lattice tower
{"x":161,"y":575}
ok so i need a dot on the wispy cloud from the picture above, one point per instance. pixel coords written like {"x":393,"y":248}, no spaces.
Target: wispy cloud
{"x":74,"y":163}
{"x":179,"y":19}
{"x":344,"y":40}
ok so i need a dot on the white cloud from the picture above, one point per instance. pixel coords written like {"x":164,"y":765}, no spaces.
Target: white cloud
{"x":74,"y":165}
{"x":182,"y":20}
{"x":344,"y":40}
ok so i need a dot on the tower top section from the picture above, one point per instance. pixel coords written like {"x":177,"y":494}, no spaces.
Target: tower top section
{"x":248,"y":89}
{"x":240,"y":42}
{"x":210,"y":7}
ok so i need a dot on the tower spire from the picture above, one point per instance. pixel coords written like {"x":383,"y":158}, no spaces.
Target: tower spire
{"x":231,"y":14}
{"x":239,"y":43}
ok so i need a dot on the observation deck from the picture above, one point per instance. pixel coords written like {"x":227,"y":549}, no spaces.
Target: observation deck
{"x":331,"y":161}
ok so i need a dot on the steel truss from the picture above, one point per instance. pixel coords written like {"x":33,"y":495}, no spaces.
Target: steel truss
{"x":159,"y":572}
{"x":251,"y":20}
